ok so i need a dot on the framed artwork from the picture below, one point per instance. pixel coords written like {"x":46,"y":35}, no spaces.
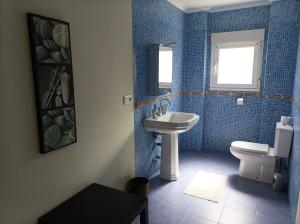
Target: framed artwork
{"x":53,"y":76}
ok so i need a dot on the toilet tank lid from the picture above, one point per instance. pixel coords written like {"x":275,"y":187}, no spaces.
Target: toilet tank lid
{"x":250,"y":146}
{"x":287,"y":128}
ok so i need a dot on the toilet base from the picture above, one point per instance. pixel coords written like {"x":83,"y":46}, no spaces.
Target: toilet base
{"x":258,"y":171}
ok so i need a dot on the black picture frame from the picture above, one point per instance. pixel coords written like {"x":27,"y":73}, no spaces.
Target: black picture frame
{"x":51,"y":56}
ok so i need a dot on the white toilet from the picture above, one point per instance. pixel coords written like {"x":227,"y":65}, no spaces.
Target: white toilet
{"x":258,"y":160}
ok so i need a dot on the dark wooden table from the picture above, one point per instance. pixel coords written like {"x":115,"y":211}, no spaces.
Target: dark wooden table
{"x":98,"y":204}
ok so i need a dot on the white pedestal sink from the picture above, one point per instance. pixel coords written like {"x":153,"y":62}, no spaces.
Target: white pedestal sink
{"x":170,"y":125}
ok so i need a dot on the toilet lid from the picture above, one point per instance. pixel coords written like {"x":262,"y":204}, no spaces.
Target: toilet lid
{"x":250,"y":147}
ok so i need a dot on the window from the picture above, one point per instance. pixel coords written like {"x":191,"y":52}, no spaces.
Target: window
{"x":236,"y":59}
{"x":165,"y":67}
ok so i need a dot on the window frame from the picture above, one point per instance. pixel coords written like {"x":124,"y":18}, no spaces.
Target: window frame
{"x":248,"y":38}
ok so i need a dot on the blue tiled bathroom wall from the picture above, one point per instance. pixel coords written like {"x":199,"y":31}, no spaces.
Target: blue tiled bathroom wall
{"x":281,"y":53}
{"x":154,"y":22}
{"x":224,"y":121}
{"x":294,"y":168}
{"x":237,"y":20}
{"x":221,"y":120}
{"x":195,"y":39}
{"x":280,"y":65}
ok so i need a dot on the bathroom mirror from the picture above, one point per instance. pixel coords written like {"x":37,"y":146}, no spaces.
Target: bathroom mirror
{"x":160,"y":69}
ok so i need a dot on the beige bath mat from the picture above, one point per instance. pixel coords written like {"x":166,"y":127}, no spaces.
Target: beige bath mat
{"x":206,"y":185}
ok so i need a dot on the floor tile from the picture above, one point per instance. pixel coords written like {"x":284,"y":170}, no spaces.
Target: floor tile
{"x":205,"y":209}
{"x":179,"y":200}
{"x":241,"y":201}
{"x":224,"y":196}
{"x":271,"y":207}
{"x":154,"y":204}
{"x":244,"y":185}
{"x":266,"y":219}
{"x":234,"y":216}
{"x":244,"y":200}
{"x":167,"y":215}
{"x":192,"y":219}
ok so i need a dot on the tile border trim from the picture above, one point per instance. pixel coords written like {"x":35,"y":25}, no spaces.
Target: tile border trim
{"x":143,"y":103}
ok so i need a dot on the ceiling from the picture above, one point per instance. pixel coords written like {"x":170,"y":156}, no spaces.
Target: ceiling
{"x":216,"y":5}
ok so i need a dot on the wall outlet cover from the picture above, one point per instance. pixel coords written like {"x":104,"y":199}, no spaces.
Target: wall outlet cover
{"x":127,"y":99}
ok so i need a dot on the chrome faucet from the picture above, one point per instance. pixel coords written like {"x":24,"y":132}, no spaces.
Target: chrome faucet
{"x":164,"y":107}
{"x":155,"y":112}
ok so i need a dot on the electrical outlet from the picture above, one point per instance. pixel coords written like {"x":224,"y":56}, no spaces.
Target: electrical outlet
{"x":127,"y":99}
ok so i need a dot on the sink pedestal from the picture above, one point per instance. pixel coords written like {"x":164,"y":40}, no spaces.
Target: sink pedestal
{"x":169,"y":166}
{"x":170,"y":125}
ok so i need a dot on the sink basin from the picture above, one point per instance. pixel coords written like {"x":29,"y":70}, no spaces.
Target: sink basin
{"x":170,"y":125}
{"x":171,"y":122}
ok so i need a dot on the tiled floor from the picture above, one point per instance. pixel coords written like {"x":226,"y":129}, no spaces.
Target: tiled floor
{"x":243,"y":201}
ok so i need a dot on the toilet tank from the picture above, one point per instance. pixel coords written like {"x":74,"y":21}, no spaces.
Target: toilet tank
{"x":283,"y":140}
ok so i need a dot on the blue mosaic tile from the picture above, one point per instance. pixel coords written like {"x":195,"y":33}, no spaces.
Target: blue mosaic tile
{"x":237,"y":20}
{"x":156,"y":22}
{"x":153,"y":22}
{"x":282,"y":42}
{"x":194,"y":51}
{"x":221,"y":120}
{"x":226,"y":122}
{"x":294,"y":168}
{"x":192,"y":140}
{"x":240,"y":19}
{"x":271,"y":111}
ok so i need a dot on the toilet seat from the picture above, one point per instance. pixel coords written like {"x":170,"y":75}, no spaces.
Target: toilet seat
{"x":250,"y":147}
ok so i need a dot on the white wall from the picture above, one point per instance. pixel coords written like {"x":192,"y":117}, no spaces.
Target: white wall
{"x":101,"y":37}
